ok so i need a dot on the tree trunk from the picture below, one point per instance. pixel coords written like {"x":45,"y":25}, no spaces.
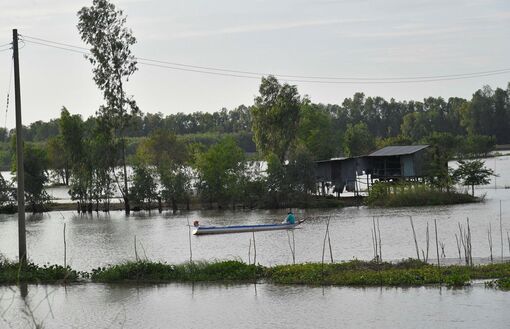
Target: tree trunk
{"x":174,"y":205}
{"x":473,"y":190}
{"x":127,"y":208}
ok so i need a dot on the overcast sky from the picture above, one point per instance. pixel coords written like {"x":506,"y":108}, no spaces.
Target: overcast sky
{"x":344,"y":38}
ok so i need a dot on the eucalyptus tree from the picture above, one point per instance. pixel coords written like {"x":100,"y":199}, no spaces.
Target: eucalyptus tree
{"x":275,"y":117}
{"x":102,"y":26}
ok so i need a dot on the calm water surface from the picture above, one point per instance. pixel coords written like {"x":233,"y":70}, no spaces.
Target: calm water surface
{"x":98,"y":240}
{"x":249,"y":306}
{"x":94,"y":241}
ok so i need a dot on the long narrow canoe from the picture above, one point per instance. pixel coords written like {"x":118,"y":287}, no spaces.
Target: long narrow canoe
{"x":201,"y":230}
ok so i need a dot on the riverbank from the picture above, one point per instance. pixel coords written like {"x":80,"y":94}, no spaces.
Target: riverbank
{"x":353,"y":273}
{"x":313,"y":202}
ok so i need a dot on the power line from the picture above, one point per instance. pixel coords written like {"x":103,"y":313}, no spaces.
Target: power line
{"x":258,"y":75}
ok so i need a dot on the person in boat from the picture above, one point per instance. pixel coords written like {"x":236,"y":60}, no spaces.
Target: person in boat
{"x":290,"y":218}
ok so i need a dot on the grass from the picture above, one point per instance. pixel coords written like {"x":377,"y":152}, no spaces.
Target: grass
{"x":405,"y":273}
{"x":407,"y":195}
{"x":146,"y":271}
{"x":353,"y":273}
{"x":12,"y":273}
{"x":409,"y":272}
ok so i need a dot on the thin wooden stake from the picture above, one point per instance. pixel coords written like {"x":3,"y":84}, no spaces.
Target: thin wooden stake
{"x":489,"y":237}
{"x":380,"y":244}
{"x":458,"y":246}
{"x":437,"y":243}
{"x":136,"y":253}
{"x":65,"y":247}
{"x":501,"y":230}
{"x":189,"y":239}
{"x":254,"y":250}
{"x":249,"y":253}
{"x":414,"y":236}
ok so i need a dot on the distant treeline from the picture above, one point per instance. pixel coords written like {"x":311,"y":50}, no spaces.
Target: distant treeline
{"x":486,"y":113}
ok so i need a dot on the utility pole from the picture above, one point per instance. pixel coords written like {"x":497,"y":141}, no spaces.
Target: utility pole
{"x":20,"y":170}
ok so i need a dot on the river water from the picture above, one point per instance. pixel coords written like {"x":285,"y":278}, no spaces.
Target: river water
{"x":250,"y":306}
{"x":98,"y":240}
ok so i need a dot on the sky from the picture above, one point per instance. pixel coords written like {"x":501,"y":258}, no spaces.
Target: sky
{"x":326,"y":38}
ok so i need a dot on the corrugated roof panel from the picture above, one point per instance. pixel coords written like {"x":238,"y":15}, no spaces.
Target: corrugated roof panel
{"x":397,"y":150}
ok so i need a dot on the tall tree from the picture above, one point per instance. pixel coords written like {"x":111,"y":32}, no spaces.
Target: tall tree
{"x":275,"y":117}
{"x":358,"y":140}
{"x":102,"y":26}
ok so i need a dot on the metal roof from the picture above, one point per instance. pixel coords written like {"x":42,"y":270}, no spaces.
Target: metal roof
{"x":397,"y":150}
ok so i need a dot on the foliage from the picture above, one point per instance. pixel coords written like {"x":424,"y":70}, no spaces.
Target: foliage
{"x":473,"y":173}
{"x":275,"y":117}
{"x":36,"y":176}
{"x":352,"y":273}
{"x":143,"y":188}
{"x":412,"y":194}
{"x":316,"y":132}
{"x":13,"y":273}
{"x":358,"y":140}
{"x":146,"y":271}
{"x":169,"y":156}
{"x":220,"y":170}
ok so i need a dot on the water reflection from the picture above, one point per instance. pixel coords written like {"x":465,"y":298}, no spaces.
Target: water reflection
{"x":242,"y":306}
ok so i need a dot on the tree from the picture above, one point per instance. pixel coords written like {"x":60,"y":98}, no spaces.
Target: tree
{"x":473,"y":173}
{"x":103,"y":27}
{"x":57,"y":159}
{"x":169,"y":156}
{"x":143,"y":189}
{"x":275,"y":117}
{"x":220,"y":171}
{"x":358,"y":140}
{"x":35,"y":166}
{"x":316,"y":132}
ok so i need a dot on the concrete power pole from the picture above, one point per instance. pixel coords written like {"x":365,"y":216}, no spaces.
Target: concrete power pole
{"x":20,"y":172}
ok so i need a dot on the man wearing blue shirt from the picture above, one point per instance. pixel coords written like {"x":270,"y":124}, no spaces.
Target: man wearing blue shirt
{"x":290,"y":218}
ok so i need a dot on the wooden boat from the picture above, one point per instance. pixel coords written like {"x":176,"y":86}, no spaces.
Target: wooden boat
{"x":202,"y":230}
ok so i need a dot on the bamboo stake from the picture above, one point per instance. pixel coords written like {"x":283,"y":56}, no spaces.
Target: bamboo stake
{"x":136,"y":253}
{"x":380,"y":244}
{"x":189,"y":240}
{"x":291,"y":249}
{"x":414,"y":236}
{"x":254,"y":250}
{"x":489,"y":237}
{"x":501,"y":230}
{"x":249,"y":253}
{"x":470,"y":246}
{"x":458,"y":246}
{"x":330,"y":249}
{"x":508,"y":239}
{"x":427,"y":236}
{"x":375,"y":240}
{"x":437,"y":243}
{"x":373,"y":243}
{"x":65,"y":247}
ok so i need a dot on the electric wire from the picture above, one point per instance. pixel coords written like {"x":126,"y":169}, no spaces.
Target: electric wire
{"x":504,"y":70}
{"x":258,"y":75}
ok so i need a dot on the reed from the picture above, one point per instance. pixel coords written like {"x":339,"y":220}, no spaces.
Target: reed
{"x":458,"y":246}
